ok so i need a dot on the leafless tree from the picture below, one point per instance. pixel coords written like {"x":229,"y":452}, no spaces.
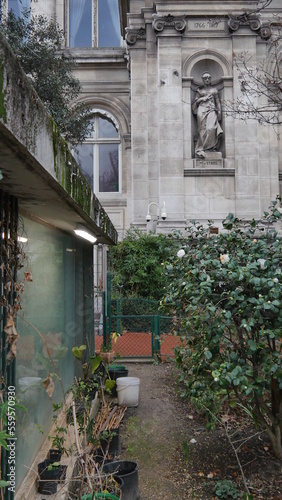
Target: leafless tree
{"x":260,"y":85}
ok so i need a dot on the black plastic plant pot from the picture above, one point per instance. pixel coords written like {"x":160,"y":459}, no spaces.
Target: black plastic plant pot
{"x":128,"y":471}
{"x":116,"y":371}
{"x":55,"y":455}
{"x":112,"y":494}
{"x":48,"y":483}
{"x":100,"y":458}
{"x":63,"y":474}
{"x":47,"y":487}
{"x":110,"y":445}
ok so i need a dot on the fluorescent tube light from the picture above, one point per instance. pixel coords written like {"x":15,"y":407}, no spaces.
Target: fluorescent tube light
{"x":81,"y":231}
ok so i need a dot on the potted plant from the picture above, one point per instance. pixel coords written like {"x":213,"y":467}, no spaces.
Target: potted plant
{"x":90,"y":366}
{"x":49,"y":475}
{"x":106,"y":351}
{"x":116,"y":371}
{"x":55,"y":455}
{"x":105,"y":487}
{"x":128,"y":472}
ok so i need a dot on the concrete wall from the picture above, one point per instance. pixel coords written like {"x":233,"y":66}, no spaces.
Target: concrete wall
{"x":37,"y":165}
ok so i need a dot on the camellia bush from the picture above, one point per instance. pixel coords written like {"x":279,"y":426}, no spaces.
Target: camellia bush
{"x":227,"y":291}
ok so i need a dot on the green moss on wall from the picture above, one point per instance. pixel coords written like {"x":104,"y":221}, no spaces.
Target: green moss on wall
{"x":67,"y":172}
{"x":3,"y":113}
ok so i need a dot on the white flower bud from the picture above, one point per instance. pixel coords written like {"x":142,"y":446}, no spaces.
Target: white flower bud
{"x":180,"y":253}
{"x":224,"y":258}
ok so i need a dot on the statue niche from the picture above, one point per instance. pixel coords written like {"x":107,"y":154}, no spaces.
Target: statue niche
{"x":207,"y":108}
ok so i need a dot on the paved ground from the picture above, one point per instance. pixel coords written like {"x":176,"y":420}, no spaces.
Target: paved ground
{"x":152,"y":434}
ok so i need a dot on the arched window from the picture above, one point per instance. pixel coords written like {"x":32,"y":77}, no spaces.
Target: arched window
{"x":93,"y":23}
{"x":99,"y":155}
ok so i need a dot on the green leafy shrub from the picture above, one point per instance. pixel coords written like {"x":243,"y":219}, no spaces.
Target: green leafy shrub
{"x":37,"y":42}
{"x":137,"y":264}
{"x":227,"y":290}
{"x":225,"y":489}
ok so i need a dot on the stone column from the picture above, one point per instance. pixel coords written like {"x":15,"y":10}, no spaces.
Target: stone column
{"x":139,"y":126}
{"x":169,"y":30}
{"x":253,"y":158}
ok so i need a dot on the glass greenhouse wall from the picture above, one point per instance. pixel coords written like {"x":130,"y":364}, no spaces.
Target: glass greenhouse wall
{"x":54,"y":318}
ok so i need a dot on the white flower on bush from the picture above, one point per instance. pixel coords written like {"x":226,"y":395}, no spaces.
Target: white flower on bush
{"x":180,"y":253}
{"x":224,"y":258}
{"x":276,"y":280}
{"x":262,"y":262}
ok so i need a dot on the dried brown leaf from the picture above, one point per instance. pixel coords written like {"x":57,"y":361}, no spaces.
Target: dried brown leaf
{"x":10,"y":330}
{"x":49,"y":386}
{"x":12,"y":353}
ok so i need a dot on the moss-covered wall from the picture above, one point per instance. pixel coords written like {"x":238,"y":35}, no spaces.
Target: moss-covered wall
{"x":3,"y":115}
{"x":24,"y":115}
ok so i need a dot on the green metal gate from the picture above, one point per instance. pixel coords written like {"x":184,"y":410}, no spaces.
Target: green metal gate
{"x":138,"y":324}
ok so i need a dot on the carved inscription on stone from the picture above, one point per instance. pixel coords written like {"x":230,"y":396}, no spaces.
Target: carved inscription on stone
{"x":208,"y":163}
{"x":204,"y":24}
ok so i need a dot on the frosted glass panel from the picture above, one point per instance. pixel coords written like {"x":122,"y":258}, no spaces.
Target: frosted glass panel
{"x":80,"y":23}
{"x":109,"y":24}
{"x":52,"y":304}
{"x":108,"y":168}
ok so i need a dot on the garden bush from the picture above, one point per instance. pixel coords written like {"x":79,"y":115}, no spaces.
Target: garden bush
{"x":136,"y":265}
{"x":227,"y":290}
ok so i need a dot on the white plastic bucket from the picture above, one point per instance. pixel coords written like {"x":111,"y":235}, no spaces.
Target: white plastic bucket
{"x":128,"y":391}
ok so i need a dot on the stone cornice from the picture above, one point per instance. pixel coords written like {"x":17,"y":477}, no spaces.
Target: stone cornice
{"x":209,"y":172}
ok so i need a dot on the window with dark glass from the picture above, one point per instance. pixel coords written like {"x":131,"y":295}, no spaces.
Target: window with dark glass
{"x":94,"y":23}
{"x":98,"y":157}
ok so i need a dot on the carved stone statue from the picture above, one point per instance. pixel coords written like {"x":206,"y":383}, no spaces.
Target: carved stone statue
{"x":208,"y":110}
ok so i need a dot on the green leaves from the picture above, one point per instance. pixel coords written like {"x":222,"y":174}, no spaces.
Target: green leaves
{"x":138,"y":264}
{"x":3,"y":484}
{"x":230,"y":309}
{"x":37,"y":42}
{"x":95,"y":362}
{"x":78,"y":351}
{"x":3,"y":439}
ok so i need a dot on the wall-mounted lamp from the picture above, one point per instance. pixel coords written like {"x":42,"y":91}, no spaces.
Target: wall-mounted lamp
{"x":22,"y":239}
{"x":81,"y":231}
{"x":163,"y":212}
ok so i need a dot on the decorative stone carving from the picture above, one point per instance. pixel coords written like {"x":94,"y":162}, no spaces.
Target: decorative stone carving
{"x":169,"y":21}
{"x":133,"y":34}
{"x":265,"y":32}
{"x":244,"y":19}
{"x":253,"y":21}
{"x":207,"y":107}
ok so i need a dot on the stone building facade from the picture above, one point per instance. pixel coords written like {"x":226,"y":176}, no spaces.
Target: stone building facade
{"x":141,"y":65}
{"x":170,"y":46}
